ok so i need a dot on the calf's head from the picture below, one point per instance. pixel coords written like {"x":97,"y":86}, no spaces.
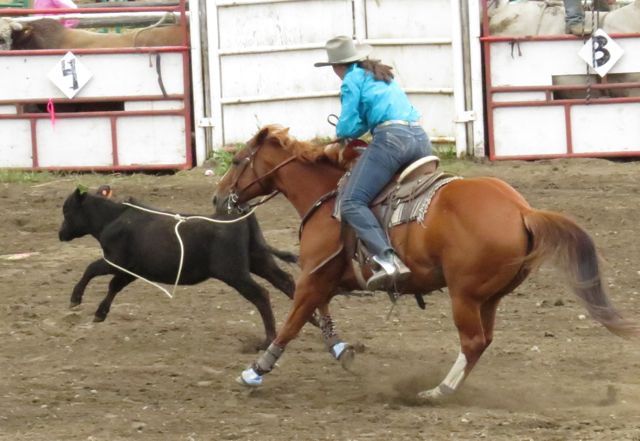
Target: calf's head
{"x":76,"y":220}
{"x":77,"y":213}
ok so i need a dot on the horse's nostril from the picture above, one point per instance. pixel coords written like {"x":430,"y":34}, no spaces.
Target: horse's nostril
{"x":215,"y":200}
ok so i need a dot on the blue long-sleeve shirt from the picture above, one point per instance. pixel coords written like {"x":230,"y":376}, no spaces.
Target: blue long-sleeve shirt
{"x":367,"y":102}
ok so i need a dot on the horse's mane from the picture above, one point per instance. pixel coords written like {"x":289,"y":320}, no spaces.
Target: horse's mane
{"x":304,"y":150}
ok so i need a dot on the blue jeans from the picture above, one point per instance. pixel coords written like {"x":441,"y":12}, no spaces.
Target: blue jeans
{"x":392,"y":147}
{"x":573,"y":13}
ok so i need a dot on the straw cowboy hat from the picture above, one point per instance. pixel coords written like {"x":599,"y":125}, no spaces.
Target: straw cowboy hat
{"x":342,"y":50}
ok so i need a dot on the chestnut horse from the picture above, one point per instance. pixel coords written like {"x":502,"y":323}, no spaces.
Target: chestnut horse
{"x":480,"y":238}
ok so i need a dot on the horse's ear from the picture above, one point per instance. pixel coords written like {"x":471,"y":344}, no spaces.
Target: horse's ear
{"x":280,"y":135}
{"x":262,"y":136}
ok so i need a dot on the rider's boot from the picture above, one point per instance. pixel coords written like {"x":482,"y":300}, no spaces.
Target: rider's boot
{"x":579,"y":29}
{"x":392,"y":271}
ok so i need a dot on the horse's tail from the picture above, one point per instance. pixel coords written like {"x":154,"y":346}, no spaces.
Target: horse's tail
{"x":556,"y":236}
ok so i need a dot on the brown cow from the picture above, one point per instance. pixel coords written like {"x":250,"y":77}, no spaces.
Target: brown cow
{"x":47,"y":33}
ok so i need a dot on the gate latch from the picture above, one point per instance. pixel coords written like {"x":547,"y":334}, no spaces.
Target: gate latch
{"x":466,"y":116}
{"x":205,"y":122}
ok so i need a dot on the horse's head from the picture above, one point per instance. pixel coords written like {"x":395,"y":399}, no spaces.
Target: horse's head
{"x":254,"y":169}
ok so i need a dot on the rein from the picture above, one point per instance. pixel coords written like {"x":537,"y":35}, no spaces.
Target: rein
{"x":234,"y":193}
{"x":258,"y":179}
{"x":321,"y":200}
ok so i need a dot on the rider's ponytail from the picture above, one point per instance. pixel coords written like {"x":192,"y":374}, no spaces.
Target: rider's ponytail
{"x":381,"y":72}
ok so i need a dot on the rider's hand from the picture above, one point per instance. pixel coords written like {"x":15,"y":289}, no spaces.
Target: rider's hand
{"x":334,"y":152}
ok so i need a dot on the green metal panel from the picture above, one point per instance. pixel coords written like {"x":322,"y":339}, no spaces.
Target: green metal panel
{"x":14,"y":4}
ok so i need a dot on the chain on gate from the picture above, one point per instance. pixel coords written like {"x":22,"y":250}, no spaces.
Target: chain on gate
{"x":595,"y":24}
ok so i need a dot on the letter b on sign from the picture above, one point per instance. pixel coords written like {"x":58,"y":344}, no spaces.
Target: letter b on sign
{"x":601,"y":52}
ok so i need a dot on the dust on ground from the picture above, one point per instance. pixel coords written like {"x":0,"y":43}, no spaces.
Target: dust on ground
{"x":164,"y":369}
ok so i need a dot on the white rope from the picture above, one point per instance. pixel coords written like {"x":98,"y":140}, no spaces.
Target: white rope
{"x":178,"y":216}
{"x":180,"y":219}
{"x":124,"y":270}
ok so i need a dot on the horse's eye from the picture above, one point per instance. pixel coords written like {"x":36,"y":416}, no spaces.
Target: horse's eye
{"x":235,"y":161}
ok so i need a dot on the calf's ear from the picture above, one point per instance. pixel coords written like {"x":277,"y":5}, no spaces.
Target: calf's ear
{"x":81,"y":192}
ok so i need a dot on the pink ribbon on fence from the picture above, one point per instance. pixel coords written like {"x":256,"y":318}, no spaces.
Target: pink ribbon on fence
{"x":51,"y":110}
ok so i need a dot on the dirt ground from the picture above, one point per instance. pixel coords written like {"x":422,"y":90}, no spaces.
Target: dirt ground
{"x":164,"y":369}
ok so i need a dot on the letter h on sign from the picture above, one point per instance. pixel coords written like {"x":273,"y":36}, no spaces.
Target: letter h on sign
{"x":69,"y":75}
{"x":69,"y":69}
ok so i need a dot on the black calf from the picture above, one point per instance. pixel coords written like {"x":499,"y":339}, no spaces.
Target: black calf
{"x":146,"y":244}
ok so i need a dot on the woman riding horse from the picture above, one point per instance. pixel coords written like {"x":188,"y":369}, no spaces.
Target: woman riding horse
{"x":372,"y":101}
{"x":479,"y":238}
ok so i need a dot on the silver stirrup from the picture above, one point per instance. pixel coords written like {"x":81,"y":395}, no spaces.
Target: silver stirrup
{"x":387,"y":266}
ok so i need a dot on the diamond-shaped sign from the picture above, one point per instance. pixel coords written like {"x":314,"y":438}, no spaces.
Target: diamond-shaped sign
{"x":69,"y":75}
{"x":601,"y":52}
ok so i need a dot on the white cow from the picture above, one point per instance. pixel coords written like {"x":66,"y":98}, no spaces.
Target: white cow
{"x":7,"y":27}
{"x":532,"y":18}
{"x":542,"y":18}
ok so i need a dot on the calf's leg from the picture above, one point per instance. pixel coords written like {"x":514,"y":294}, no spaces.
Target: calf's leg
{"x":264,"y":265}
{"x":94,"y":269}
{"x":119,"y":281}
{"x":250,"y":290}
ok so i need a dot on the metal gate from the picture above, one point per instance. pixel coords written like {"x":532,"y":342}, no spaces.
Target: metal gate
{"x":540,"y":105}
{"x":139,"y":115}
{"x":261,"y":55}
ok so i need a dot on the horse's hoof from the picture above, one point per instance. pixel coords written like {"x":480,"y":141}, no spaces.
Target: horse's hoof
{"x":346,"y":360}
{"x":430,"y":396}
{"x":74,"y":304}
{"x":97,"y":319}
{"x":344,"y":353}
{"x":249,"y":378}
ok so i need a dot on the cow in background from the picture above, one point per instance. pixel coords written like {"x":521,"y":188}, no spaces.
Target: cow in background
{"x":7,"y":28}
{"x":530,"y":18}
{"x":47,"y":33}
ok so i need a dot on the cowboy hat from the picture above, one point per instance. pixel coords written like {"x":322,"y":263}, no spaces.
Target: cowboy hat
{"x":342,"y":50}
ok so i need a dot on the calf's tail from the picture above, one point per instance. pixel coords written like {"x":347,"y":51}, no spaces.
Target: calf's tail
{"x":283,"y":255}
{"x":556,"y":236}
{"x":257,"y":240}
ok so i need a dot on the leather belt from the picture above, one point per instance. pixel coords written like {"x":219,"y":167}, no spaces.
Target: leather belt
{"x":399,"y":121}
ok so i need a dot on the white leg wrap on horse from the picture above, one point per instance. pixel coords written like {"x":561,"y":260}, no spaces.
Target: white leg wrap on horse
{"x":338,"y":349}
{"x":268,"y":359}
{"x":451,"y":381}
{"x":252,"y":376}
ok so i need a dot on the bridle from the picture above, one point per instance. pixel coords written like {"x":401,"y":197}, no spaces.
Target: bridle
{"x":248,"y":162}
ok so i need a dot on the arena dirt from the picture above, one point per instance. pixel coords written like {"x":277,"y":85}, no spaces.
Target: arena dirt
{"x":164,"y":369}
